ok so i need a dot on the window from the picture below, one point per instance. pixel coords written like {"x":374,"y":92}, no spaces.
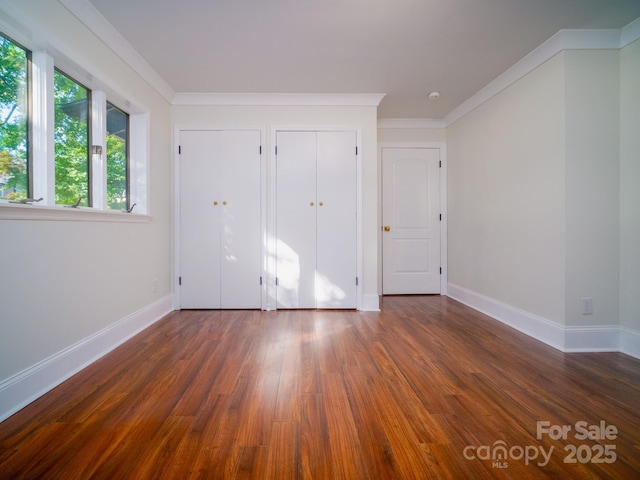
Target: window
{"x":71,"y":137}
{"x":117,"y":158}
{"x":66,"y":140}
{"x":14,"y":126}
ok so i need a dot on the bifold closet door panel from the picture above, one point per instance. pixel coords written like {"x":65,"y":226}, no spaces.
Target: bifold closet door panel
{"x":336,"y":220}
{"x":296,"y":219}
{"x":199,"y":221}
{"x":240,"y":236}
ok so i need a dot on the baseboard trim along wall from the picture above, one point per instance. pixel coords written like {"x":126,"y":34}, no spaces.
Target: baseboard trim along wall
{"x":607,"y":338}
{"x":23,"y":388}
{"x":630,"y":342}
{"x":525,"y":322}
{"x":604,"y":338}
{"x":370,"y":303}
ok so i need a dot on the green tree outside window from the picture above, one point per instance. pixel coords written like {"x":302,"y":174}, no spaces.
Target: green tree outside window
{"x":71,"y":137}
{"x":117,"y":158}
{"x":14,"y":179}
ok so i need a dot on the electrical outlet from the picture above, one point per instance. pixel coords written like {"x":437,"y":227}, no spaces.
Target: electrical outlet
{"x":587,"y":306}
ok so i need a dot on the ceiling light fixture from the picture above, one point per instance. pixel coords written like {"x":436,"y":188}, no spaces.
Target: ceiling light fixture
{"x":434,"y":95}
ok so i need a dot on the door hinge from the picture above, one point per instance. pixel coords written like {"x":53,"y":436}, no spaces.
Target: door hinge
{"x":277,"y":282}
{"x":356,"y":150}
{"x":440,"y":270}
{"x":179,"y":280}
{"x":356,"y":281}
{"x":440,"y":217}
{"x":260,"y":149}
{"x":260,"y":279}
{"x":276,"y":148}
{"x":179,"y":149}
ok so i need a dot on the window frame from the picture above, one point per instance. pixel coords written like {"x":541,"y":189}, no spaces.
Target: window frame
{"x":41,"y":148}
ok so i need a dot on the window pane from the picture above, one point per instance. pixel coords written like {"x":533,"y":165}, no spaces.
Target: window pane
{"x":71,"y":138}
{"x":117,"y":158}
{"x":14,"y":178}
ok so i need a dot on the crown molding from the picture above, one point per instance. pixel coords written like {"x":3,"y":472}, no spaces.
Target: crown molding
{"x":281,"y":99}
{"x":630,"y":33}
{"x":100,"y":26}
{"x":563,"y":40}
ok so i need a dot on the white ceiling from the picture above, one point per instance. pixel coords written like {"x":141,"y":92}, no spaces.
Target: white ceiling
{"x":403,"y":48}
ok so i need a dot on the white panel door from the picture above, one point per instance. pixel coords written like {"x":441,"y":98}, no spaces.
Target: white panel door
{"x":336,"y":220}
{"x":296,"y":219}
{"x":411,"y":220}
{"x":220,"y":226}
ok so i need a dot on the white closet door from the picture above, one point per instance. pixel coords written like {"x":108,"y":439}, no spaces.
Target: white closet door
{"x":241,"y":250}
{"x":220,"y":237}
{"x":199,"y":221}
{"x":296,"y":219}
{"x":336,"y":220}
{"x":316,"y":249}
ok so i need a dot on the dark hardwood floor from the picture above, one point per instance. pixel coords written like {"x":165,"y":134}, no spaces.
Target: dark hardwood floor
{"x":427,"y":388}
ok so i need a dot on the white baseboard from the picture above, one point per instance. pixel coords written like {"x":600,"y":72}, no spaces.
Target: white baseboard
{"x":525,"y":322}
{"x":370,"y":303}
{"x":23,"y":388}
{"x":606,"y":338}
{"x":630,"y":342}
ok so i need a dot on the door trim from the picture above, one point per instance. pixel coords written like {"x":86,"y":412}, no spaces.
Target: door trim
{"x":177,"y":129}
{"x":443,"y":205}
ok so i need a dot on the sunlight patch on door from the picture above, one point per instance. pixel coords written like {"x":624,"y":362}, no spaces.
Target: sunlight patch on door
{"x":288,"y":268}
{"x":328,"y":293}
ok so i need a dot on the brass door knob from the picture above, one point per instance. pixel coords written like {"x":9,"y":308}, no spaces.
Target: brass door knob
{"x":224,"y":203}
{"x":387,"y":228}
{"x":215,"y":203}
{"x":321,"y":204}
{"x":311,"y":204}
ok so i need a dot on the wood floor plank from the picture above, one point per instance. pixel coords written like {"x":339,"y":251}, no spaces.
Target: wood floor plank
{"x":283,"y":461}
{"x":252,"y":463}
{"x":426,"y":388}
{"x":344,"y":442}
{"x":376,"y":448}
{"x":315,"y":462}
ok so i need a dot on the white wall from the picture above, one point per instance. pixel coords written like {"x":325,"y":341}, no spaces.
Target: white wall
{"x":630,"y":186}
{"x":67,"y":283}
{"x":592,"y":185}
{"x":409,"y":135}
{"x":363,"y":117}
{"x":506,"y":204}
{"x":543,"y":201}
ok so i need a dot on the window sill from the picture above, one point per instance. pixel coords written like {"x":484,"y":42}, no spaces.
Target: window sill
{"x":12,"y":211}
